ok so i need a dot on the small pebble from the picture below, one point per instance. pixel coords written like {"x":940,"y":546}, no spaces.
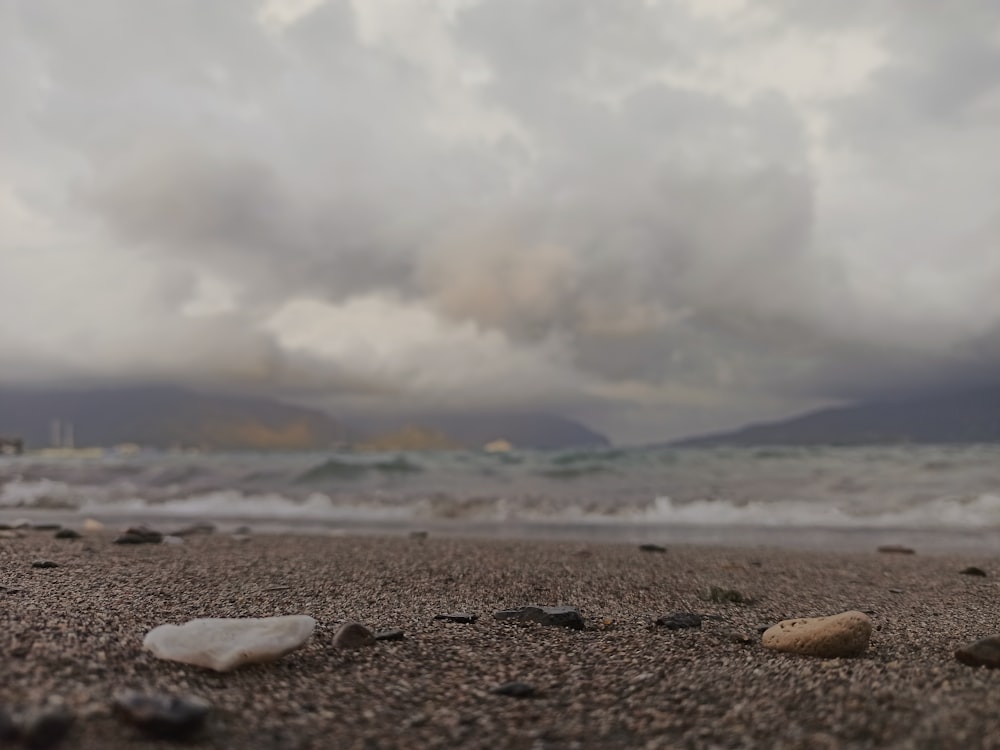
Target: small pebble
{"x":565,"y":617}
{"x":45,"y":526}
{"x":972,"y":570}
{"x":515,"y":689}
{"x":982,"y":653}
{"x":418,"y":534}
{"x":44,"y":564}
{"x":390,"y":635}
{"x":8,"y":729}
{"x":461,"y":617}
{"x":162,"y":715}
{"x":46,"y":727}
{"x":652,"y":548}
{"x":895,"y":549}
{"x":679,"y":621}
{"x":67,"y":534}
{"x":353,"y":635}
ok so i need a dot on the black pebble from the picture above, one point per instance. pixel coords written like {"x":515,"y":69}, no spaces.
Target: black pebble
{"x":390,"y":635}
{"x":161,"y":715}
{"x":463,"y":617}
{"x":515,"y":689}
{"x":44,"y":564}
{"x":67,"y":534}
{"x":564,"y":617}
{"x":652,"y":548}
{"x":680,"y":621}
{"x":972,"y":570}
{"x":46,"y":727}
{"x":8,"y":729}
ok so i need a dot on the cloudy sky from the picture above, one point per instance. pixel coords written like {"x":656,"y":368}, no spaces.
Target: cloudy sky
{"x":662,"y":217}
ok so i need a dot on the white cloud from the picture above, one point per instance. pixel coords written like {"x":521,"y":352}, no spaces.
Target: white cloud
{"x":666,"y":215}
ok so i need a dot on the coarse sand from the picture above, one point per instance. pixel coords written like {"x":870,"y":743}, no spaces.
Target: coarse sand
{"x":74,"y":633}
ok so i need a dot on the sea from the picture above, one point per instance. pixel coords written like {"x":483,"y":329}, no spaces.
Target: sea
{"x":935,"y":498}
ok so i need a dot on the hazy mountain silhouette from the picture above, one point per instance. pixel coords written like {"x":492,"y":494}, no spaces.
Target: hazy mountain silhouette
{"x":971,"y":416}
{"x":165,"y":417}
{"x":473,"y":430}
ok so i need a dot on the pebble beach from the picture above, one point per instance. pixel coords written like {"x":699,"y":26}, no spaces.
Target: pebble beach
{"x":72,"y":637}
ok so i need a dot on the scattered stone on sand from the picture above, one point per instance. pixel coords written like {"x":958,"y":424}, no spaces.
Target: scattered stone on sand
{"x":896,"y":549}
{"x":44,"y":564}
{"x":46,"y":727}
{"x":565,"y":617}
{"x":171,"y":539}
{"x":92,"y":524}
{"x":515,"y":689}
{"x":651,"y":548}
{"x":972,"y":570}
{"x":201,"y":527}
{"x":67,"y":534}
{"x":353,"y":635}
{"x":721,"y":595}
{"x":139,"y":535}
{"x":461,"y":617}
{"x":242,"y":531}
{"x":834,"y":636}
{"x":161,"y":715}
{"x":895,"y":591}
{"x":223,"y":644}
{"x":679,"y":621}
{"x":418,"y":534}
{"x":46,"y":526}
{"x":390,"y":635}
{"x":982,"y":653}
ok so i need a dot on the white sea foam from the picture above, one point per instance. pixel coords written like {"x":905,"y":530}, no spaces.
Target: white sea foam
{"x":982,"y":511}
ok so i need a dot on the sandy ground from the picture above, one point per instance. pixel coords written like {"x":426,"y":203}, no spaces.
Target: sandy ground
{"x":75,"y":632}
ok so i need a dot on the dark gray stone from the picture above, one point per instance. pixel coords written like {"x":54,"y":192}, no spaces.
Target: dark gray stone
{"x":564,"y":617}
{"x":461,"y":617}
{"x":201,"y":527}
{"x":972,"y":570}
{"x":44,"y":526}
{"x":679,"y":621}
{"x":162,"y":715}
{"x":44,"y":564}
{"x":982,"y":653}
{"x":390,"y":635}
{"x":139,"y":535}
{"x":8,"y":729}
{"x":652,"y":548}
{"x":46,"y":727}
{"x":353,"y":635}
{"x":895,"y":549}
{"x":515,"y":689}
{"x":67,"y":534}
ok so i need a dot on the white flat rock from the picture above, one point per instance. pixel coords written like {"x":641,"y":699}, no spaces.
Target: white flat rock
{"x":223,"y":644}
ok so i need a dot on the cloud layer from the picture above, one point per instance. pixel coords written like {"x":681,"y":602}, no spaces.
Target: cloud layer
{"x":661,"y":216}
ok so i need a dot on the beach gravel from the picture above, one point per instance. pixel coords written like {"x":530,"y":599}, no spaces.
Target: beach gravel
{"x":75,"y":634}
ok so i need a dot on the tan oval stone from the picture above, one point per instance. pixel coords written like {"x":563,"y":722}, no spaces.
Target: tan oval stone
{"x":846,"y":634}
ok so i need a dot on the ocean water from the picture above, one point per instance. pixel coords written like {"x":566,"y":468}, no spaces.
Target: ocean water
{"x":942,"y":497}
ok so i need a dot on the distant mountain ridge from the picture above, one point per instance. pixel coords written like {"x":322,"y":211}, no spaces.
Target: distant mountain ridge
{"x":970,"y":416}
{"x":168,"y":417}
{"x":165,"y":417}
{"x":537,"y":430}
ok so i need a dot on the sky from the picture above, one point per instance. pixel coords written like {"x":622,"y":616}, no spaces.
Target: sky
{"x":662,"y":217}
